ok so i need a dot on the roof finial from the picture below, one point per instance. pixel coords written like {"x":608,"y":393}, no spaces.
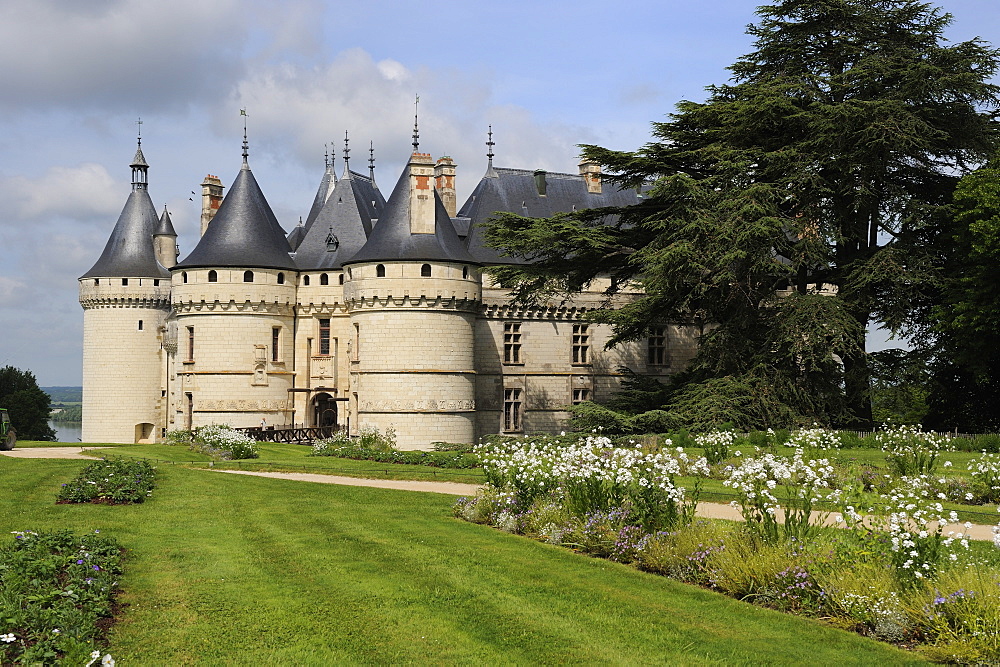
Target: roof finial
{"x":490,"y":173}
{"x":246,"y":145}
{"x":347,"y":155}
{"x":326,"y":156}
{"x":371,"y":160}
{"x":416,"y":130}
{"x":139,"y":123}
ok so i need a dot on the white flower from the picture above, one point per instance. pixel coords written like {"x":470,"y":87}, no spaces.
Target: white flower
{"x":8,"y":638}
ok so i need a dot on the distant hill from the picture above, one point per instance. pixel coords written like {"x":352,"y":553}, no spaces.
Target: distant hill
{"x":64,"y":394}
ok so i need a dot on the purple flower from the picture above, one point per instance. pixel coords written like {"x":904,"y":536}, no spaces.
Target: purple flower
{"x":79,"y":562}
{"x":96,"y":568}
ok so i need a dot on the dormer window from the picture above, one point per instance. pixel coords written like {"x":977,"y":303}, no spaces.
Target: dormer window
{"x":248,"y":276}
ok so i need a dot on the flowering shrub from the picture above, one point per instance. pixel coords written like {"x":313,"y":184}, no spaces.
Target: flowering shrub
{"x":759,"y":481}
{"x":716,"y":445}
{"x":369,"y":437}
{"x":55,"y":588}
{"x":222,"y":442}
{"x":814,"y":439}
{"x":910,"y":451}
{"x":985,"y":472}
{"x":591,"y":476}
{"x":114,"y":481}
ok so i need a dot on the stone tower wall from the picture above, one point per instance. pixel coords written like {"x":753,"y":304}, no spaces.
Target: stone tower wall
{"x":413,"y":353}
{"x":122,"y":363}
{"x":231,"y":377}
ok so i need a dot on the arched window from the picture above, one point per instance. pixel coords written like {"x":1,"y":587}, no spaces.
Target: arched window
{"x":425,"y":270}
{"x":97,"y":281}
{"x":465,"y":272}
{"x":213,"y":277}
{"x":350,"y":275}
{"x":305,"y":280}
{"x":281,"y":278}
{"x":341,"y":278}
{"x":184,"y":276}
{"x":324,"y":279}
{"x":248,"y":276}
{"x":380,"y":270}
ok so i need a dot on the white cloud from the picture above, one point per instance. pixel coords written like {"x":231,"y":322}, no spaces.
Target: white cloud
{"x":82,"y":192}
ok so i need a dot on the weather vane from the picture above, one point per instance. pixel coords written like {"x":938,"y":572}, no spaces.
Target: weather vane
{"x":416,"y":132}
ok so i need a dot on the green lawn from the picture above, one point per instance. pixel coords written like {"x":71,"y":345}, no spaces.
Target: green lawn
{"x":240,"y":570}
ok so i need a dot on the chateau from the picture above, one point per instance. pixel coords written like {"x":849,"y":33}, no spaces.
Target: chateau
{"x":373,"y":311}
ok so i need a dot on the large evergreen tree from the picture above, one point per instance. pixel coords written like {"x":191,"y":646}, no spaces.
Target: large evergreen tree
{"x":778,"y":206}
{"x":27,"y":404}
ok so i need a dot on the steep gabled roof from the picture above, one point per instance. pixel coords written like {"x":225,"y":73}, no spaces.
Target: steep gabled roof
{"x":244,"y":232}
{"x":129,"y":252}
{"x":348,"y":212}
{"x":391,"y":238}
{"x":515,"y":191}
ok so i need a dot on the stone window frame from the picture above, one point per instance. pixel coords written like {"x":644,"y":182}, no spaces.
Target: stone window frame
{"x":324,"y":336}
{"x":512,"y":344}
{"x":513,"y":410}
{"x":581,"y":344}
{"x":656,"y":347}
{"x":580,"y":394}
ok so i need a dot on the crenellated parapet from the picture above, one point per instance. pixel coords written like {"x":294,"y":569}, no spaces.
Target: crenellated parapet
{"x":125,"y":293}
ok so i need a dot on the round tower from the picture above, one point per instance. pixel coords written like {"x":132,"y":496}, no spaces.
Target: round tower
{"x":126,"y":300}
{"x":413,"y":292}
{"x":231,"y":339}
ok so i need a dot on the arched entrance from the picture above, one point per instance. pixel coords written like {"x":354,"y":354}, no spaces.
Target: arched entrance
{"x":324,"y":410}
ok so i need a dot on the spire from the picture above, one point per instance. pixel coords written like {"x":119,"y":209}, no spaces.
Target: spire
{"x":347,"y":156}
{"x":416,"y":130}
{"x":246,"y":145}
{"x":371,"y":161}
{"x":333,"y":165}
{"x":326,"y":156}
{"x":139,"y":166}
{"x":490,"y":173}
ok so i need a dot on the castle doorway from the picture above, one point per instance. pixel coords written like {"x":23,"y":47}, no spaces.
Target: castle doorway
{"x":324,"y":410}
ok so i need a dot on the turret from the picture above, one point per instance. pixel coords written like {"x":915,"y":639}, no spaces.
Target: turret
{"x":165,"y":240}
{"x":126,"y":299}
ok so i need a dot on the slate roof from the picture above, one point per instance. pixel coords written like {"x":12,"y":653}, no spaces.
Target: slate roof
{"x":326,"y":185}
{"x":514,"y":191}
{"x":165,"y":226}
{"x":243,"y":233}
{"x":391,"y":239}
{"x":129,"y":252}
{"x":349,"y":210}
{"x":294,"y":237}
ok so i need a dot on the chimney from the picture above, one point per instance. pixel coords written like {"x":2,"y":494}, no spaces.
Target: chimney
{"x":444,"y":183}
{"x":540,"y":183}
{"x":211,"y":200}
{"x":591,"y":172}
{"x":421,"y":194}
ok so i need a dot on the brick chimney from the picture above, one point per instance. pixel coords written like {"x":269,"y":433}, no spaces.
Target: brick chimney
{"x":591,"y":172}
{"x":421,"y":194}
{"x":211,"y":200}
{"x":444,"y":183}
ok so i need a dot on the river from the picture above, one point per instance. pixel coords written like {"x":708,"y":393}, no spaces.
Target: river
{"x":67,"y":431}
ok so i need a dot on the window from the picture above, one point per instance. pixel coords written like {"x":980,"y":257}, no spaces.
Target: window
{"x":512,"y":409}
{"x":512,"y":342}
{"x":340,"y":278}
{"x":97,"y":281}
{"x":657,"y":347}
{"x":184,"y":276}
{"x":357,"y":342}
{"x":190,"y":343}
{"x":281,"y":278}
{"x":124,"y":281}
{"x":213,"y":276}
{"x":580,"y":395}
{"x":380,"y":270}
{"x":465,"y":273}
{"x":581,"y":344}
{"x":324,"y":279}
{"x":248,"y":276}
{"x":324,"y":336}
{"x":140,"y":325}
{"x":156,"y":282}
{"x":305,"y":280}
{"x":275,"y":340}
{"x":425,"y":271}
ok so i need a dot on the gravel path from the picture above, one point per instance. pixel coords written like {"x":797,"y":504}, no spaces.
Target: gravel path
{"x":51,"y":453}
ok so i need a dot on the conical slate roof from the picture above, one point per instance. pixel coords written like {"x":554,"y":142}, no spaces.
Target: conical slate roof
{"x":294,"y":237}
{"x":244,"y":232}
{"x":391,"y":238}
{"x":326,"y":186}
{"x":349,"y":212}
{"x":129,"y":252}
{"x":165,"y":226}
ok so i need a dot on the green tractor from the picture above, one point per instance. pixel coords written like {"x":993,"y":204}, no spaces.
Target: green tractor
{"x":8,"y":436}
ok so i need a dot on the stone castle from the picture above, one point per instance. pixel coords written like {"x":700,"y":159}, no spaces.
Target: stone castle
{"x":372,"y":312}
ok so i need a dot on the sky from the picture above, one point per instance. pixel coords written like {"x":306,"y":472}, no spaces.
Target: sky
{"x":546,"y":74}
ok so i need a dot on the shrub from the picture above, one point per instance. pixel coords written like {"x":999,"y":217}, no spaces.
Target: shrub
{"x":54,"y":588}
{"x":369,"y":437}
{"x":114,"y":481}
{"x":222,"y":442}
{"x":985,"y":472}
{"x":654,"y":421}
{"x":910,"y":451}
{"x":343,"y":447}
{"x":716,"y":445}
{"x":683,"y":554}
{"x":589,"y":417}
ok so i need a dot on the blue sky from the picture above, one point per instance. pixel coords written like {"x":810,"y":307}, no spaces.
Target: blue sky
{"x":547,"y":74}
